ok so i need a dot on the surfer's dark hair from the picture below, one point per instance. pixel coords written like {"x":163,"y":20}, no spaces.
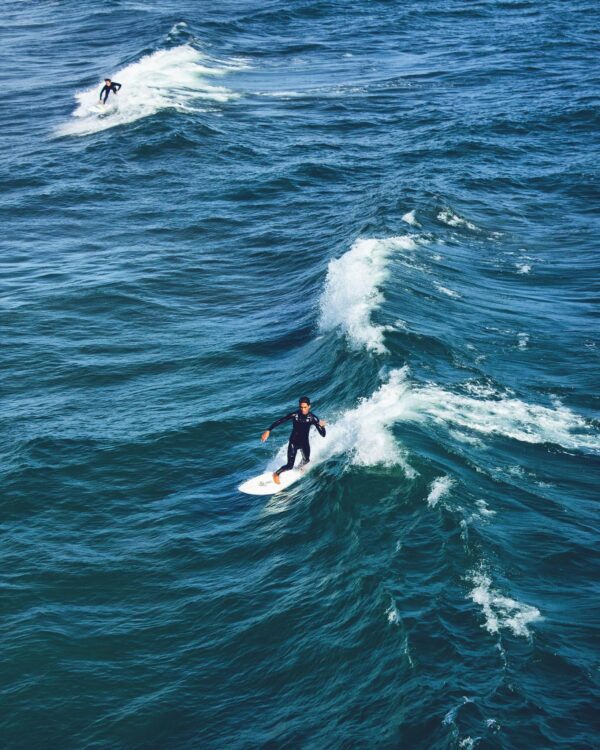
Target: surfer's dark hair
{"x":304,"y":400}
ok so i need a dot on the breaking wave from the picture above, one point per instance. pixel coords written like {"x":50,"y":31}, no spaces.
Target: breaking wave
{"x":175,"y":78}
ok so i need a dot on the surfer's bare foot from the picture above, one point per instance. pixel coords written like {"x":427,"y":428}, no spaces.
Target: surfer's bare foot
{"x":276,"y":478}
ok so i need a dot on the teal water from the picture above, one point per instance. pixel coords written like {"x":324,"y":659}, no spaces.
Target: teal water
{"x":391,"y":207}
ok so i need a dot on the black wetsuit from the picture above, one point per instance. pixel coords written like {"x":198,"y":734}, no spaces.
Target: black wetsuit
{"x":299,"y":437}
{"x":114,"y":87}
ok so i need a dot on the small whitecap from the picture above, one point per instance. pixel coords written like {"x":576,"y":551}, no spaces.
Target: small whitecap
{"x":410,"y":218}
{"x":446,"y":291}
{"x":500,"y":612}
{"x":484,"y":510}
{"x":454,"y":220}
{"x":450,"y":716}
{"x":438,"y":489}
{"x":463,"y":437}
{"x":523,"y":268}
{"x":393,"y":615}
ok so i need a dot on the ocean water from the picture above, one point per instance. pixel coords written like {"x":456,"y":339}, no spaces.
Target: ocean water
{"x":389,"y":206}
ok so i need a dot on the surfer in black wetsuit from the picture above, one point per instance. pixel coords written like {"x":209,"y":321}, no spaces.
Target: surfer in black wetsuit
{"x":302,"y":421}
{"x":107,"y":88}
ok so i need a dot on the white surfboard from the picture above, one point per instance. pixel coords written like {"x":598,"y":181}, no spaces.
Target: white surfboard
{"x":264,"y":484}
{"x":102,"y":109}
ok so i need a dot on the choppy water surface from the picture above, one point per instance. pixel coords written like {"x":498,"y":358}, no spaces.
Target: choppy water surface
{"x":389,"y":206}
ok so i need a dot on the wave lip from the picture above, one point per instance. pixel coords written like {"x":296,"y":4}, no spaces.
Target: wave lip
{"x":168,"y":78}
{"x":352,"y":291}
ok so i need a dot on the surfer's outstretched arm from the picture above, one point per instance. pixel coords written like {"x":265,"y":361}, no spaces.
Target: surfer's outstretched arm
{"x":267,"y":432}
{"x":320,"y":425}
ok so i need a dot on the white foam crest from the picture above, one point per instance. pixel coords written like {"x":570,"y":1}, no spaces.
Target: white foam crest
{"x":352,"y":290}
{"x":410,"y":218}
{"x":454,"y":220}
{"x":438,"y":489}
{"x":446,"y":291}
{"x":393,"y":615}
{"x":281,"y":94}
{"x":168,"y":78}
{"x":364,"y":431}
{"x":450,"y":716}
{"x":462,"y":437}
{"x":509,"y":417}
{"x":483,"y":390}
{"x":523,"y":268}
{"x":484,"y":509}
{"x":177,"y":28}
{"x":500,"y":611}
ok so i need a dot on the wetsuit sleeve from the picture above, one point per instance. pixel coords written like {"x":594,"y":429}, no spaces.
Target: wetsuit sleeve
{"x":280,"y":421}
{"x":118,"y":85}
{"x":321,"y":430}
{"x":104,"y":89}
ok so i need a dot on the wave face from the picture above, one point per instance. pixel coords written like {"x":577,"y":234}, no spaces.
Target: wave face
{"x":390,"y":208}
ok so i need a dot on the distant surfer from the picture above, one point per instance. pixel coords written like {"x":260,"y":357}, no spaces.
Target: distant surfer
{"x":302,"y":421}
{"x":107,"y":88}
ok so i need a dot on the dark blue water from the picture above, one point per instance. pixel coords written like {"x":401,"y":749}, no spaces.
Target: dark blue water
{"x":391,"y":207}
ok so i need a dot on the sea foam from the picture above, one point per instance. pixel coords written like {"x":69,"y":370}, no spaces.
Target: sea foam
{"x":173,"y":78}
